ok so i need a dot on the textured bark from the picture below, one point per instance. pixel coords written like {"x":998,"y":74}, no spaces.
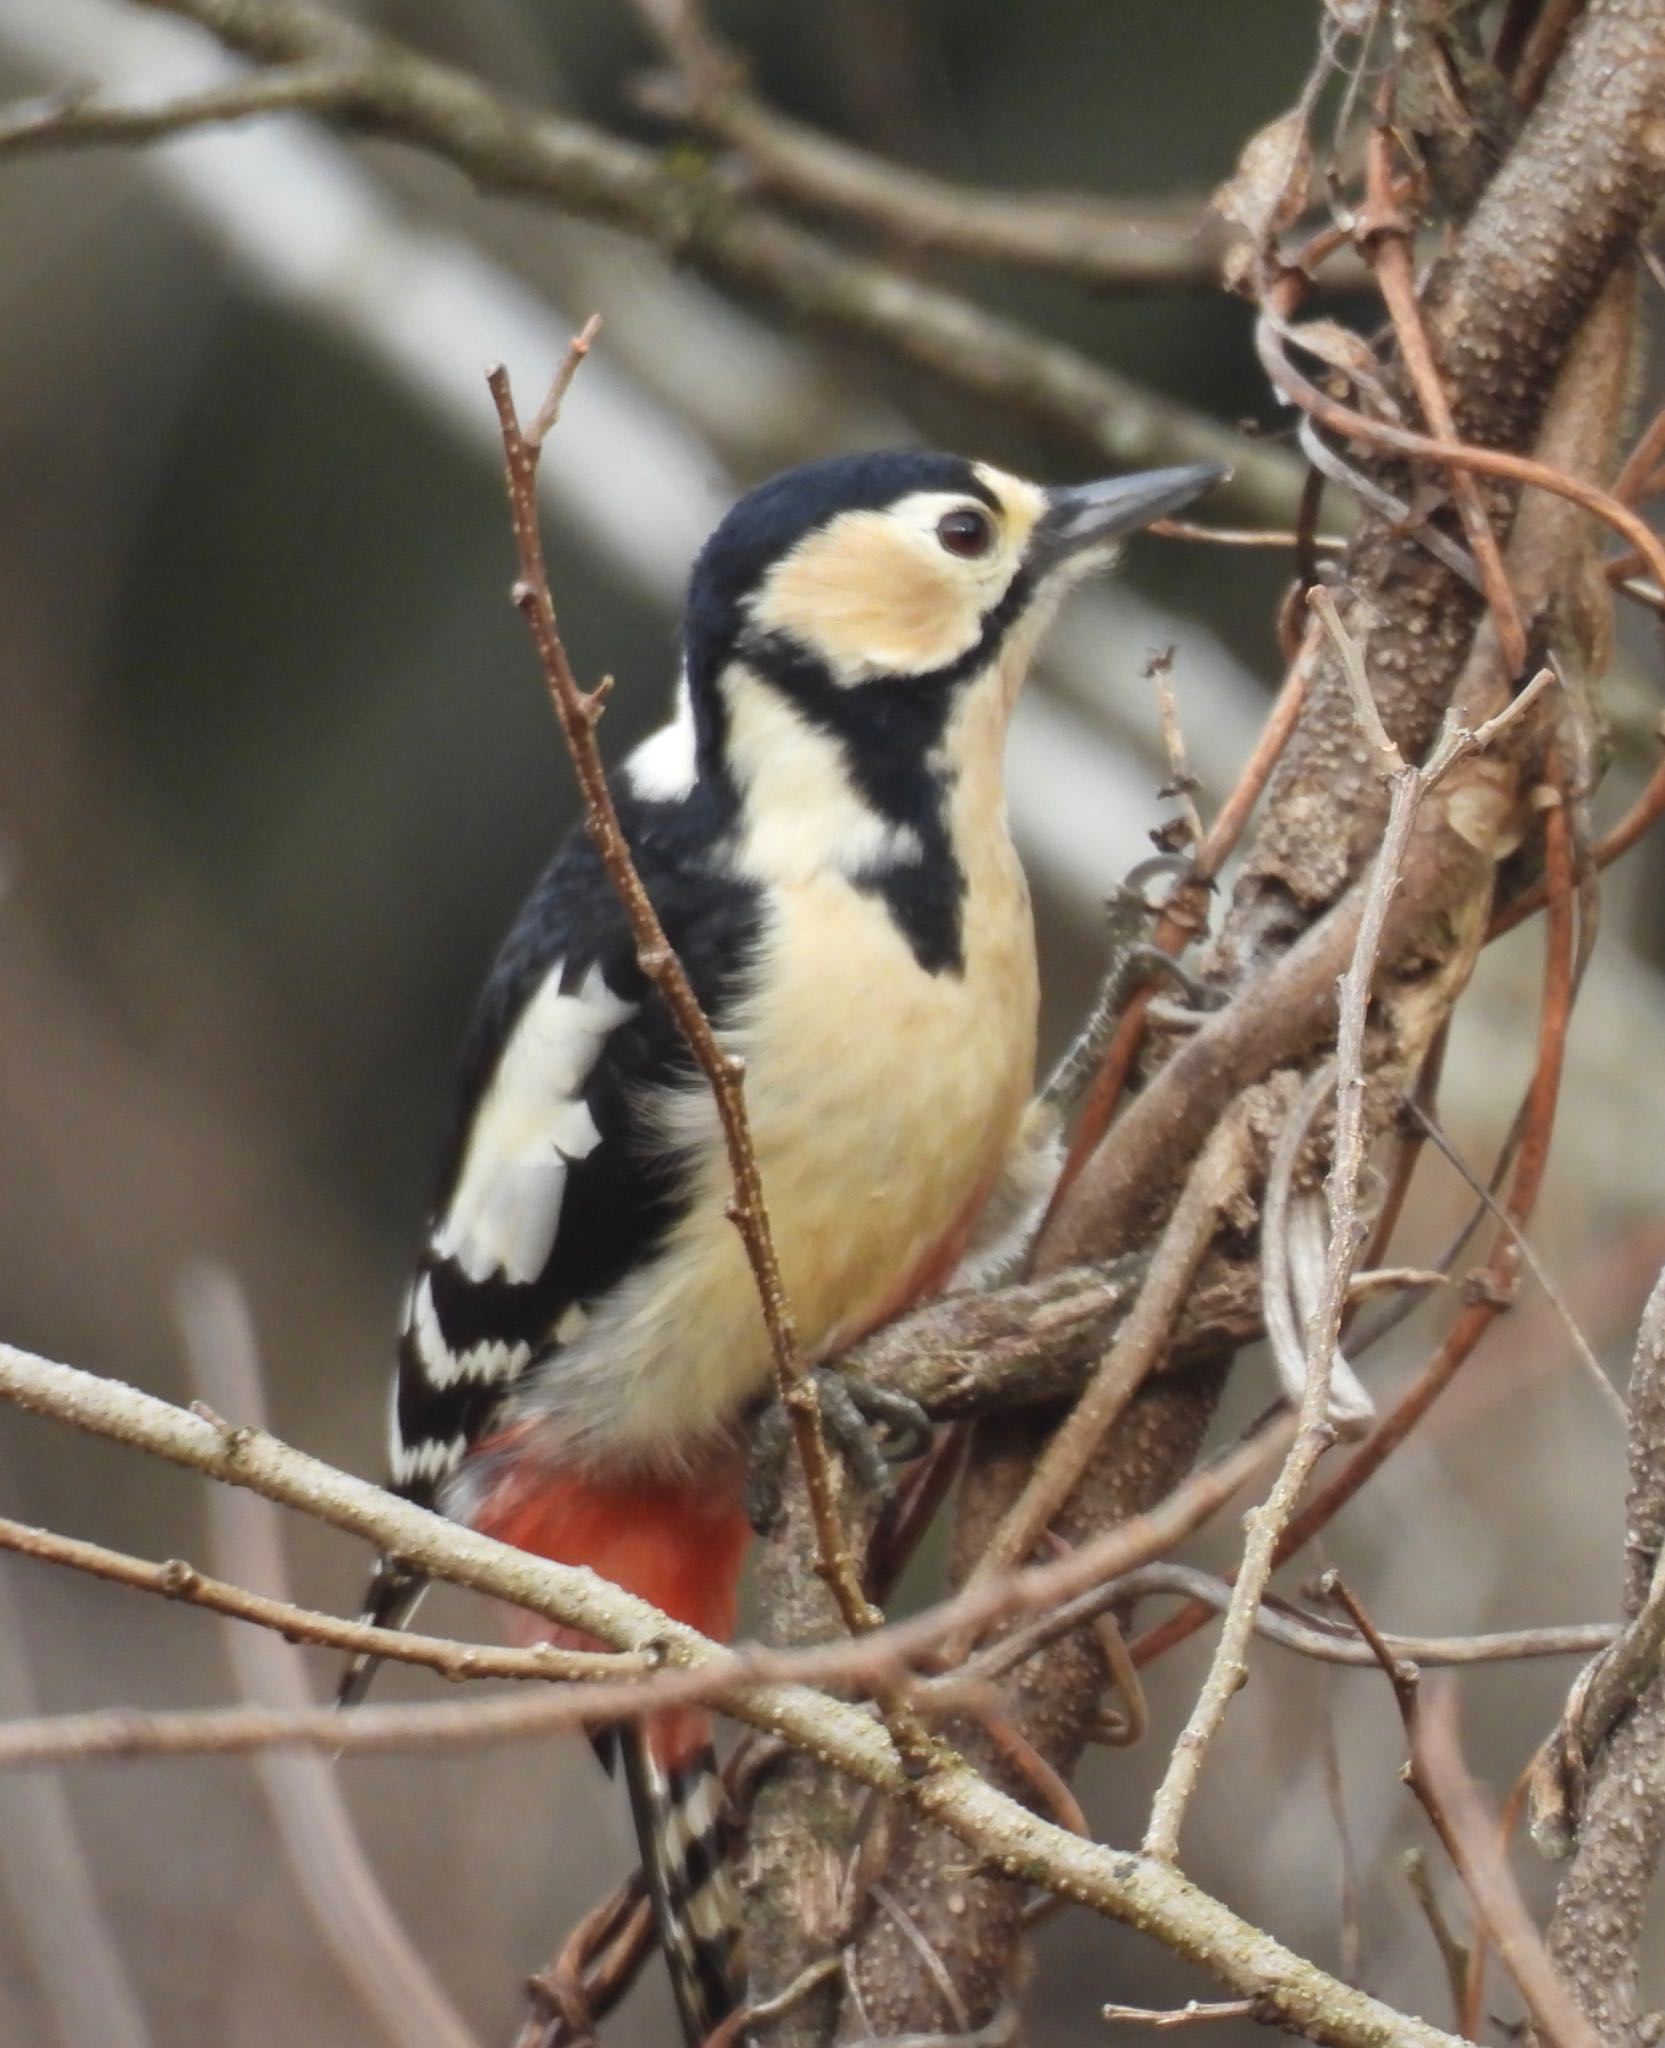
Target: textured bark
{"x":1585,"y":174}
{"x":1583,"y":178}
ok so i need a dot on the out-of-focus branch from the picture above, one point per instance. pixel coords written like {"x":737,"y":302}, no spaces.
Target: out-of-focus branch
{"x":1598,"y":1935}
{"x":376,"y":85}
{"x":1111,"y":247}
{"x":61,"y":1928}
{"x":304,"y":1794}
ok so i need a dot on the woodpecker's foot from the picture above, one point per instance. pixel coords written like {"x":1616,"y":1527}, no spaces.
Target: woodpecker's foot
{"x":1150,"y":963}
{"x":872,"y":1428}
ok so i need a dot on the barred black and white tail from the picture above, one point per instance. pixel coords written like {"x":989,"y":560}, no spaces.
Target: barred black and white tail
{"x":683,"y":1829}
{"x":392,"y":1599}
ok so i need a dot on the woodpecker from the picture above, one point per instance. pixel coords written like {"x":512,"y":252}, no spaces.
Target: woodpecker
{"x":822,"y":829}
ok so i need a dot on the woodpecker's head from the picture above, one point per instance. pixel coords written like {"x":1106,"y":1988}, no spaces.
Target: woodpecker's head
{"x":857,"y":631}
{"x":905,"y":567}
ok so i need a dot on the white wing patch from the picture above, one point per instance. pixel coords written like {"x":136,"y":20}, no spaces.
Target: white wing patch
{"x":531,"y":1122}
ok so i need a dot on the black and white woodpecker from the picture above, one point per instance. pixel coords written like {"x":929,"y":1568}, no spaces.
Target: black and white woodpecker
{"x":822,"y":829}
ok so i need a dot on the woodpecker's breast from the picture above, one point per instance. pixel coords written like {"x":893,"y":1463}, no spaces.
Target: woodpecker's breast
{"x":883,"y":1099}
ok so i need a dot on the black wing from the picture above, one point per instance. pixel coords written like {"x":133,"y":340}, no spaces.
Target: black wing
{"x":549,"y":1194}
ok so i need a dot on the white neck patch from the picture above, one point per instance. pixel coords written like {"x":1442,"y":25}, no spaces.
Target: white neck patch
{"x":801,"y":815}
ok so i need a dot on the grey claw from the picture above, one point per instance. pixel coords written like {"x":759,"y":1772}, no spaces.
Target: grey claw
{"x":871,"y":1428}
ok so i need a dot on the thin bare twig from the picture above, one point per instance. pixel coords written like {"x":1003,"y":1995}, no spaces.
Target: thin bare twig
{"x":1267,"y":1524}
{"x":1195,"y":2012}
{"x":1291,"y":1628}
{"x":1179,"y":1252}
{"x":1448,"y":1795}
{"x":578,"y":711}
{"x":1469,"y":1831}
{"x":1180,"y":919}
{"x":1386,"y":237}
{"x":174,"y":1579}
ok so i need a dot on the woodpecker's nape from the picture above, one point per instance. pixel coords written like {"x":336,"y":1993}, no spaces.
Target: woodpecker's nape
{"x":822,"y":830}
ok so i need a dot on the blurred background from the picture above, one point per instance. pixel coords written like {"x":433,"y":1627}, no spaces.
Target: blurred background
{"x":275,"y":767}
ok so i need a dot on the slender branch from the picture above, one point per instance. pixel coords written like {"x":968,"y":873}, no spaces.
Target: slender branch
{"x":1190,"y":1230}
{"x":1291,"y":1628}
{"x":1387,"y":238}
{"x":174,"y":1579}
{"x":578,"y":712}
{"x":1469,"y":1831}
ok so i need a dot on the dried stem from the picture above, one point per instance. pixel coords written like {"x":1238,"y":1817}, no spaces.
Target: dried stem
{"x":174,"y":1579}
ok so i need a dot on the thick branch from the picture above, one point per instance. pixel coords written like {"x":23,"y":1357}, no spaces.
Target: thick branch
{"x":994,"y":1827}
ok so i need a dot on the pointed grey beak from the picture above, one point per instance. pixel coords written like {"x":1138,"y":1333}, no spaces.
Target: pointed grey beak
{"x":1081,"y":517}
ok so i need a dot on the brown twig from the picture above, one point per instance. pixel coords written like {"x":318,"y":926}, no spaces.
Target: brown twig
{"x":174,"y":1579}
{"x":1447,"y":1794}
{"x":1639,"y":820}
{"x":1469,"y":1832}
{"x":579,"y":711}
{"x":1386,"y":238}
{"x":1177,"y":925}
{"x":1179,"y":1252}
{"x":1637,"y":475}
{"x":1456,"y":1958}
{"x":1501,"y":463}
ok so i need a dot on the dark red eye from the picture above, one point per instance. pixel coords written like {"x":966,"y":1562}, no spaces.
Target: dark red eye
{"x":966,"y":532}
